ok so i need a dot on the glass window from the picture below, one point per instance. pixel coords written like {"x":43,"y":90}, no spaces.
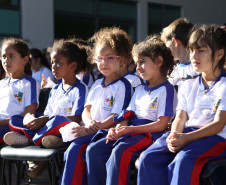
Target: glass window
{"x":117,"y":9}
{"x":11,"y":25}
{"x":77,"y":6}
{"x":83,"y":18}
{"x":159,"y":16}
{"x":9,"y":2}
{"x":67,"y":26}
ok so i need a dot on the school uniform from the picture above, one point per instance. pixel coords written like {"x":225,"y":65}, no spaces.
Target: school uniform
{"x":104,"y":101}
{"x":134,"y":79}
{"x":160,"y":166}
{"x":61,"y":103}
{"x":86,"y":78}
{"x":181,"y":73}
{"x":15,"y":96}
{"x":113,"y":160}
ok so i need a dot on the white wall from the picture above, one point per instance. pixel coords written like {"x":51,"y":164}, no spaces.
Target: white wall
{"x":37,"y":19}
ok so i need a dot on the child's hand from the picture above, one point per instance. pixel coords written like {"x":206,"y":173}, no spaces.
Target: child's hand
{"x":94,"y":125}
{"x":120,"y":131}
{"x":176,"y":141}
{"x":110,"y":136}
{"x":35,"y":124}
{"x":80,"y":131}
{"x":44,"y":81}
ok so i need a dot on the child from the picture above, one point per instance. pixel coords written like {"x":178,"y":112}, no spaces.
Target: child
{"x":40,"y":66}
{"x":153,"y":104}
{"x":176,"y":37}
{"x":66,"y":100}
{"x":107,"y":98}
{"x":19,"y":92}
{"x":86,"y":76}
{"x":198,"y":132}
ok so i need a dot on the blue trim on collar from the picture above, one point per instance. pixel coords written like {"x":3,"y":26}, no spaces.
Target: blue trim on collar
{"x":218,"y":79}
{"x":156,"y":87}
{"x":183,"y":65}
{"x":103,"y":85}
{"x":74,"y":85}
{"x":9,"y":79}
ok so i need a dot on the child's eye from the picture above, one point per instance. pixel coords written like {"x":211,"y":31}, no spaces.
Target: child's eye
{"x":11,"y":56}
{"x":110,"y":59}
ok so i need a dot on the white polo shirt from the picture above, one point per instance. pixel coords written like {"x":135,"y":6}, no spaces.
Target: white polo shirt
{"x":86,"y":78}
{"x":134,"y":79}
{"x":16,"y":95}
{"x":66,"y":103}
{"x":182,"y":72}
{"x":110,"y":99}
{"x":151,"y":103}
{"x":201,"y":104}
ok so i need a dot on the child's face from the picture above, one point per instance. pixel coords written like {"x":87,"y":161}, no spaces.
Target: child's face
{"x":107,"y":67}
{"x":12,"y":62}
{"x":201,"y":58}
{"x":60,"y":67}
{"x":146,"y":68}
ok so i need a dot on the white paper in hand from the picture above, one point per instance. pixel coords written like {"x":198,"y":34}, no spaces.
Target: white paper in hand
{"x":66,"y":131}
{"x":28,"y":118}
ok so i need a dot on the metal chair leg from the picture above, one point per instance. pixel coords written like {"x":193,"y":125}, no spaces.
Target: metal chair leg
{"x":2,"y":171}
{"x":53,"y":167}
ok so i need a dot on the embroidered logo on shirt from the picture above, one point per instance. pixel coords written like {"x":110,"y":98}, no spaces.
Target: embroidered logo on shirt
{"x":110,"y":101}
{"x":154,"y":103}
{"x":18,"y":96}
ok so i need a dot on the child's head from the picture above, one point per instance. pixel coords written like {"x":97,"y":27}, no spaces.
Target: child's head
{"x":38,"y":60}
{"x":15,"y":57}
{"x":208,"y":41}
{"x":83,"y":45}
{"x":155,"y":49}
{"x":113,"y":42}
{"x":66,"y":52}
{"x":176,"y":34}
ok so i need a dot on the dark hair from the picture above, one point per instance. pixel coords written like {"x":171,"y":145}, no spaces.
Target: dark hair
{"x":84,"y":45}
{"x":212,"y":36}
{"x":36,"y":53}
{"x":73,"y":53}
{"x":153,"y":47}
{"x":117,"y":39}
{"x":179,"y":29}
{"x":22,"y":48}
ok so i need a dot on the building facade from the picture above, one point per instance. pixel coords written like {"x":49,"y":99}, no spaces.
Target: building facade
{"x":39,"y":22}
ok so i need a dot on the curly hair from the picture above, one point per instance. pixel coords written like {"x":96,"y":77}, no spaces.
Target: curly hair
{"x":153,"y":47}
{"x":22,"y":48}
{"x":212,"y":36}
{"x":117,"y":39}
{"x":73,"y":53}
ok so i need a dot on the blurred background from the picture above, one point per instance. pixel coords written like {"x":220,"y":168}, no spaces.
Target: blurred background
{"x":39,"y":22}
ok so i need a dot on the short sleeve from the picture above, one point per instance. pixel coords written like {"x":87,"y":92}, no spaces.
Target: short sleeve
{"x":182,"y":97}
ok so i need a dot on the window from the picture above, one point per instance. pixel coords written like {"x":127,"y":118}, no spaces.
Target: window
{"x":9,"y":18}
{"x":83,"y":18}
{"x":160,"y":16}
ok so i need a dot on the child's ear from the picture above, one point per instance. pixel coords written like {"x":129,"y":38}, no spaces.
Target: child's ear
{"x":73,"y":65}
{"x":175,"y":42}
{"x":159,"y":60}
{"x":26,"y":59}
{"x":220,"y":54}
